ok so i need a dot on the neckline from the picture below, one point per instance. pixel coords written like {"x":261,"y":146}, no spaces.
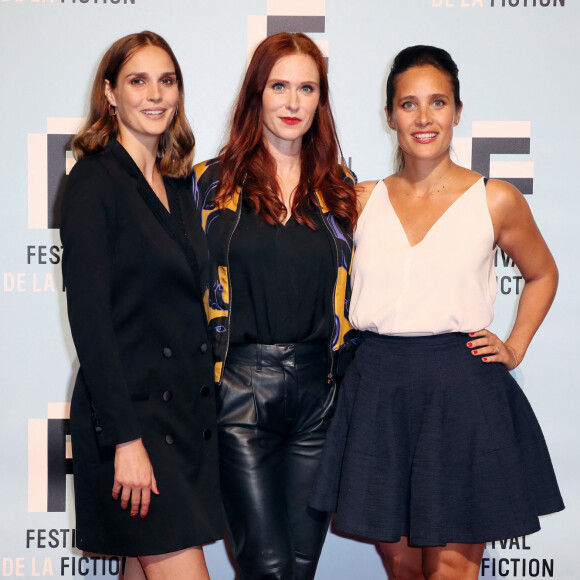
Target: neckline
{"x":133,"y":169}
{"x":436,"y":222}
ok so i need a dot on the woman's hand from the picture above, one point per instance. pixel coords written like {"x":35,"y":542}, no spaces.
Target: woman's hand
{"x":134,"y":477}
{"x":491,"y":349}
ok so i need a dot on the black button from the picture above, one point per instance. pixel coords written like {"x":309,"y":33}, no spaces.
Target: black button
{"x":204,"y":391}
{"x":203,"y":348}
{"x":206,"y":434}
{"x":167,"y":352}
{"x":98,"y":429}
{"x":169,"y":439}
{"x":167,"y":396}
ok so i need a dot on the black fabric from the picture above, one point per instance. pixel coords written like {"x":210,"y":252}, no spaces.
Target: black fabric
{"x":283,"y":296}
{"x":274,"y":411}
{"x":430,"y":442}
{"x":219,"y":224}
{"x":132,"y":274}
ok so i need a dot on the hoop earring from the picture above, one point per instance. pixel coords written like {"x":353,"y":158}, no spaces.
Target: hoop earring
{"x":112,"y":110}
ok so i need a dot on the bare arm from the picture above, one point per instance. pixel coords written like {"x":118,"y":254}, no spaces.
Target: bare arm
{"x":363,"y":193}
{"x":518,"y":235}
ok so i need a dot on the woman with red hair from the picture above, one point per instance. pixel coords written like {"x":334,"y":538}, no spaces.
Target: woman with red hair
{"x":278,"y":213}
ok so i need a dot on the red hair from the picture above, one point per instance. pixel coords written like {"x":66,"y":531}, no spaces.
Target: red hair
{"x":247,"y":162}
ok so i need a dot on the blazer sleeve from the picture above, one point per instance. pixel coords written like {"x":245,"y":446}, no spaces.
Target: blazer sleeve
{"x":87,"y":231}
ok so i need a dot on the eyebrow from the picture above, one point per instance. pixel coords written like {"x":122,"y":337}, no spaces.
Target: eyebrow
{"x":272,"y":80}
{"x":432,"y":96}
{"x":146,"y":74}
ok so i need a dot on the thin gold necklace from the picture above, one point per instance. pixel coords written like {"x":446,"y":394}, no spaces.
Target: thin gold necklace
{"x":439,"y":189}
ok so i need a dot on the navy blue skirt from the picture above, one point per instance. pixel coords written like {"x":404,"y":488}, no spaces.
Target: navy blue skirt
{"x":431,"y":443}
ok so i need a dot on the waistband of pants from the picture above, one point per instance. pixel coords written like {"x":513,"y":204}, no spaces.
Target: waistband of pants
{"x":264,"y":355}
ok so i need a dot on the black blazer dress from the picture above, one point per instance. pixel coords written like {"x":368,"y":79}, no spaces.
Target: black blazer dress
{"x":133,"y":273}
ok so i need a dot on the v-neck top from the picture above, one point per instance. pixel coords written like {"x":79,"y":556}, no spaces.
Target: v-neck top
{"x":444,"y":283}
{"x":281,"y":280}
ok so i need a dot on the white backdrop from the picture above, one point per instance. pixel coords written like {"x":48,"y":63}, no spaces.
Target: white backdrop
{"x":520,"y":87}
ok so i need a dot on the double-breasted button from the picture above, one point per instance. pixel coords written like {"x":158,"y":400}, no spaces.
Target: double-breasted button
{"x":167,"y":352}
{"x":206,"y":434}
{"x":204,"y":391}
{"x":167,"y":396}
{"x":169,"y":439}
{"x":203,"y":348}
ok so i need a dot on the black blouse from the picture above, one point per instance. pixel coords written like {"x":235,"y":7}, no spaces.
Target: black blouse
{"x":281,"y":282}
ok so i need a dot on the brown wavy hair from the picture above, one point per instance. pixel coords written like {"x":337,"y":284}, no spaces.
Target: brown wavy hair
{"x":246,"y":161}
{"x":175,"y":149}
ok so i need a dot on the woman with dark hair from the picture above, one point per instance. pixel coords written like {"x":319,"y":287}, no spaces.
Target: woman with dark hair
{"x":434,"y":449}
{"x":278,"y":212}
{"x":143,"y":415}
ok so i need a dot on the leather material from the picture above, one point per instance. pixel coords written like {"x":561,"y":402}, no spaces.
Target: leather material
{"x":274,"y":408}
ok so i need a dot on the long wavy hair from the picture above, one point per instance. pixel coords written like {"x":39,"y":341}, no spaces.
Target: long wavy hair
{"x":175,"y":149}
{"x":246,"y":160}
{"x":420,"y":55}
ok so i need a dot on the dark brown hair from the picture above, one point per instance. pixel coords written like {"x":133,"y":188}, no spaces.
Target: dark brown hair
{"x":420,"y":55}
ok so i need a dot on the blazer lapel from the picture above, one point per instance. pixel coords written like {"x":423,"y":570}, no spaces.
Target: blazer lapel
{"x":174,"y":223}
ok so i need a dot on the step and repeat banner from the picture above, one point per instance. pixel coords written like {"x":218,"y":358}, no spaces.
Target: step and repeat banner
{"x":521,"y":122}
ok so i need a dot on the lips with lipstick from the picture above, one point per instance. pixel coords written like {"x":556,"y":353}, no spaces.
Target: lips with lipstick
{"x":290,"y":120}
{"x":425,"y":137}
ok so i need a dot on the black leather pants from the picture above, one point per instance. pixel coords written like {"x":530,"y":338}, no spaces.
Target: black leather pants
{"x":274,"y":408}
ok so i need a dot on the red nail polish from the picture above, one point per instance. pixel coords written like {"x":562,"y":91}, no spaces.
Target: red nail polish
{"x":471,"y":333}
{"x":143,"y":516}
{"x":469,"y":344}
{"x":484,"y":359}
{"x":473,"y":352}
{"x":133,"y":515}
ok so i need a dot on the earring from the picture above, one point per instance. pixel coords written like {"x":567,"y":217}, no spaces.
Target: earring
{"x":176,"y":110}
{"x":112,"y":110}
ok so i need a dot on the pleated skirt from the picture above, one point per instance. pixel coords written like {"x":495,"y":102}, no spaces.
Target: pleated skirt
{"x":431,"y":443}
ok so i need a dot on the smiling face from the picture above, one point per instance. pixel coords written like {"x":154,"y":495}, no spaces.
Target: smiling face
{"x":289,"y":101}
{"x":146,"y":96}
{"x":424,"y":112}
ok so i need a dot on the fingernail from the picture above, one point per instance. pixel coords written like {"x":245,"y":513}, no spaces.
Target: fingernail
{"x":469,"y":344}
{"x":473,"y":352}
{"x":133,"y":515}
{"x":484,"y":359}
{"x":143,"y":516}
{"x":471,"y":333}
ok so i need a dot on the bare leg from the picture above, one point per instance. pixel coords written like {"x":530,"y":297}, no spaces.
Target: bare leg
{"x":452,"y":562}
{"x":133,"y":570}
{"x":402,"y":561}
{"x":186,"y":564}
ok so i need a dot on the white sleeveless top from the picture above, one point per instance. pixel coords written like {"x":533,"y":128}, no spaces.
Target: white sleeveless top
{"x":445,"y":283}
